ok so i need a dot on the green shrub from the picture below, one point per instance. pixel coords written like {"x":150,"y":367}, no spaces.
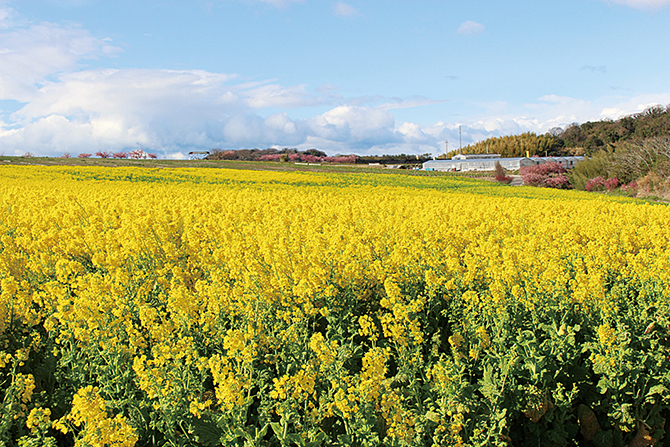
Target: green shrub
{"x":598,"y":165}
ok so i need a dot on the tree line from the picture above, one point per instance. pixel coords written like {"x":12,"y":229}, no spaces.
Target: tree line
{"x":579,"y":139}
{"x":312,"y":156}
{"x":526,"y":144}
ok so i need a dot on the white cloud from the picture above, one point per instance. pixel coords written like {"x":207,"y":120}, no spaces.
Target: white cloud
{"x":280,"y":122}
{"x":412,"y":133}
{"x":29,"y":55}
{"x":641,"y":4}
{"x":274,"y":95}
{"x":116,"y":109}
{"x":5,"y":16}
{"x":635,"y":104}
{"x":177,"y":156}
{"x":356,"y":125}
{"x":342,"y":9}
{"x":470,"y":27}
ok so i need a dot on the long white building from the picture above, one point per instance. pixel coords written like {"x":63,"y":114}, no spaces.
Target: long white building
{"x":487,"y":162}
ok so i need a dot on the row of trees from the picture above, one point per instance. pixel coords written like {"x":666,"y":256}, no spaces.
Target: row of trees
{"x":312,"y":156}
{"x":137,"y":154}
{"x":526,"y":144}
{"x":280,"y":155}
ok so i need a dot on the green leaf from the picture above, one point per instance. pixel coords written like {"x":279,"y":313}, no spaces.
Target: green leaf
{"x":278,"y":429}
{"x":207,"y":433}
{"x":603,"y":385}
{"x":658,"y":389}
{"x":345,"y":439}
{"x":433,"y":417}
{"x":296,"y":438}
{"x":318,"y":440}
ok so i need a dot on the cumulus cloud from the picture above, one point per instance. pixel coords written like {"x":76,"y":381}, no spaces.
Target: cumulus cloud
{"x":641,"y":4}
{"x":167,"y":110}
{"x":413,"y":133}
{"x":342,"y":9}
{"x":159,"y":109}
{"x":469,"y":27}
{"x":360,"y":125}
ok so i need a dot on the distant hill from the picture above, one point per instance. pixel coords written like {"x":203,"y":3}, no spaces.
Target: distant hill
{"x":579,"y":139}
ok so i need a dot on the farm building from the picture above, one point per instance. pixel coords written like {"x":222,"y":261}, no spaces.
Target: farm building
{"x":487,"y":162}
{"x":567,"y":162}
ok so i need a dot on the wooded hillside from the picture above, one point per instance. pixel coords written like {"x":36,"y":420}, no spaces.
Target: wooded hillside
{"x":526,"y":144}
{"x":579,"y":139}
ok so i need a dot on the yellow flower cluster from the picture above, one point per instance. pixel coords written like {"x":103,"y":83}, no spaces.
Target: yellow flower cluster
{"x":98,"y":430}
{"x":315,"y":296}
{"x":38,"y":420}
{"x":606,"y":335}
{"x":326,"y":353}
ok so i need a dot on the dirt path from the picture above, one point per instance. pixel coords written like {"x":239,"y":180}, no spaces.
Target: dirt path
{"x":516,"y":180}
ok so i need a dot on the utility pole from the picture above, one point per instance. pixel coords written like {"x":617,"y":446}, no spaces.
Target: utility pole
{"x":446,"y":148}
{"x":460,"y":145}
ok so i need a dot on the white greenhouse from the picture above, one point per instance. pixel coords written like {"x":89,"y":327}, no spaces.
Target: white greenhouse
{"x":488,"y":163}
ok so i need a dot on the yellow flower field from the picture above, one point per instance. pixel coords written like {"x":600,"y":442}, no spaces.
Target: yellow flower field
{"x":226,"y":307}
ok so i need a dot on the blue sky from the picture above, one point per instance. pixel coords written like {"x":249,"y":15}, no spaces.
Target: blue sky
{"x":364,"y":77}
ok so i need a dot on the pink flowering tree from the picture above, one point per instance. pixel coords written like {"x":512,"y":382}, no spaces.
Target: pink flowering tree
{"x":611,"y":183}
{"x":630,"y":188}
{"x":137,"y":154}
{"x":600,"y":183}
{"x":269,"y":157}
{"x":308,"y":158}
{"x":547,"y":175}
{"x":351,"y":159}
